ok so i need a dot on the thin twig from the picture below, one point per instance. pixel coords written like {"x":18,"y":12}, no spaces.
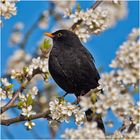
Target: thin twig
{"x":24,"y":118}
{"x":29,"y":32}
{"x":94,"y":6}
{"x":11,"y":102}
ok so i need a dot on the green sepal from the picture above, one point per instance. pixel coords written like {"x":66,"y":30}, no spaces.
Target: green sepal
{"x":78,"y":7}
{"x":29,"y":100}
{"x":20,"y":104}
{"x":9,"y":87}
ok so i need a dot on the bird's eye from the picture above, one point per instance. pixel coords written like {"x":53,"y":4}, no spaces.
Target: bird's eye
{"x":59,"y":34}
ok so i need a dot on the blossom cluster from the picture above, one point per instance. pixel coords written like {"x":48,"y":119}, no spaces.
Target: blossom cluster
{"x":117,"y":10}
{"x":61,"y":110}
{"x":114,"y":94}
{"x":37,"y":64}
{"x":7,"y":9}
{"x":25,"y":103}
{"x":89,"y":131}
{"x":117,"y":89}
{"x":5,"y":89}
{"x":43,"y":22}
{"x":116,"y":84}
{"x":18,"y":60}
{"x":61,"y":5}
{"x":134,"y":112}
{"x":16,"y":35}
{"x":93,"y":21}
{"x":41,"y":63}
{"x":128,"y":57}
{"x":4,"y":115}
{"x":124,"y":136}
{"x":96,"y":21}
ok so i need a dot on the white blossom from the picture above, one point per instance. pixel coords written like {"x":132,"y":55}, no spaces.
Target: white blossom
{"x":83,"y":34}
{"x":114,"y":95}
{"x":61,"y":5}
{"x":4,"y":115}
{"x":89,"y":131}
{"x":116,"y":1}
{"x":17,"y":61}
{"x":27,"y":111}
{"x":134,"y":112}
{"x":62,"y":110}
{"x":22,"y":97}
{"x":117,"y":10}
{"x":115,"y":83}
{"x":127,"y":58}
{"x":5,"y":89}
{"x":43,"y":23}
{"x":2,"y":94}
{"x":33,"y":92}
{"x":16,"y":35}
{"x":8,"y":8}
{"x":5,"y":82}
{"x":29,"y":124}
{"x":41,"y":63}
{"x":97,"y":20}
{"x":85,"y":103}
{"x":124,"y":136}
{"x":44,"y":65}
{"x":79,"y":116}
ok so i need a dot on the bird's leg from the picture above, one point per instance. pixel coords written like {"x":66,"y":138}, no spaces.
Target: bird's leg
{"x":65,"y":94}
{"x":78,"y":100}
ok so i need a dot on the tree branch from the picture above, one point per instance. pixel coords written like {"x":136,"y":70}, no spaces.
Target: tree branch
{"x":11,"y":102}
{"x":23,"y":86}
{"x":23,"y":118}
{"x":28,"y":33}
{"x":94,"y":6}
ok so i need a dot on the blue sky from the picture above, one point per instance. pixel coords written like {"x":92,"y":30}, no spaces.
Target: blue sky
{"x":102,"y":47}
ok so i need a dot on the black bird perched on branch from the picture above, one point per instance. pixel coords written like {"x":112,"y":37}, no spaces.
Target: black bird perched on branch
{"x":70,"y":63}
{"x":72,"y":67}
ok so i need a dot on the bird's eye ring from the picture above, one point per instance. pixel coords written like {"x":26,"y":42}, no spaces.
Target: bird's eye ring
{"x":59,"y":34}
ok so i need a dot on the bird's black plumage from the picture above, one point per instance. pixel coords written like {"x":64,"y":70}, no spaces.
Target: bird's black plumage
{"x":71,"y":65}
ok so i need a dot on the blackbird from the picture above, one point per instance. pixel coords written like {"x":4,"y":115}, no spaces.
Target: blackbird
{"x":72,"y":67}
{"x":70,"y":64}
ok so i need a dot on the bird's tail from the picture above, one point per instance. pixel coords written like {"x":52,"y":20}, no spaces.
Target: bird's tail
{"x":96,"y":117}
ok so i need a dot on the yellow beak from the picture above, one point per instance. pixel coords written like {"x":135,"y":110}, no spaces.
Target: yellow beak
{"x":49,"y":34}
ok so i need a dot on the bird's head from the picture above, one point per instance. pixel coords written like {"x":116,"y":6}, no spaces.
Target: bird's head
{"x":63,"y":36}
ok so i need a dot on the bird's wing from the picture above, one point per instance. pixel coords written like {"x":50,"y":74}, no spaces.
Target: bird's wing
{"x":87,"y":66}
{"x":59,"y":74}
{"x":87,"y":53}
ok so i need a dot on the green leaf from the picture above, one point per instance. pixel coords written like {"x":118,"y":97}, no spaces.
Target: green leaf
{"x":29,"y":100}
{"x":78,"y":7}
{"x":47,"y":43}
{"x":20,"y":104}
{"x":93,"y":97}
{"x":25,"y":70}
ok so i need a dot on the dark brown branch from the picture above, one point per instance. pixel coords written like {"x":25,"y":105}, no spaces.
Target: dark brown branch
{"x":33,"y":27}
{"x":11,"y":102}
{"x":132,"y":126}
{"x":23,"y":118}
{"x":94,"y":6}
